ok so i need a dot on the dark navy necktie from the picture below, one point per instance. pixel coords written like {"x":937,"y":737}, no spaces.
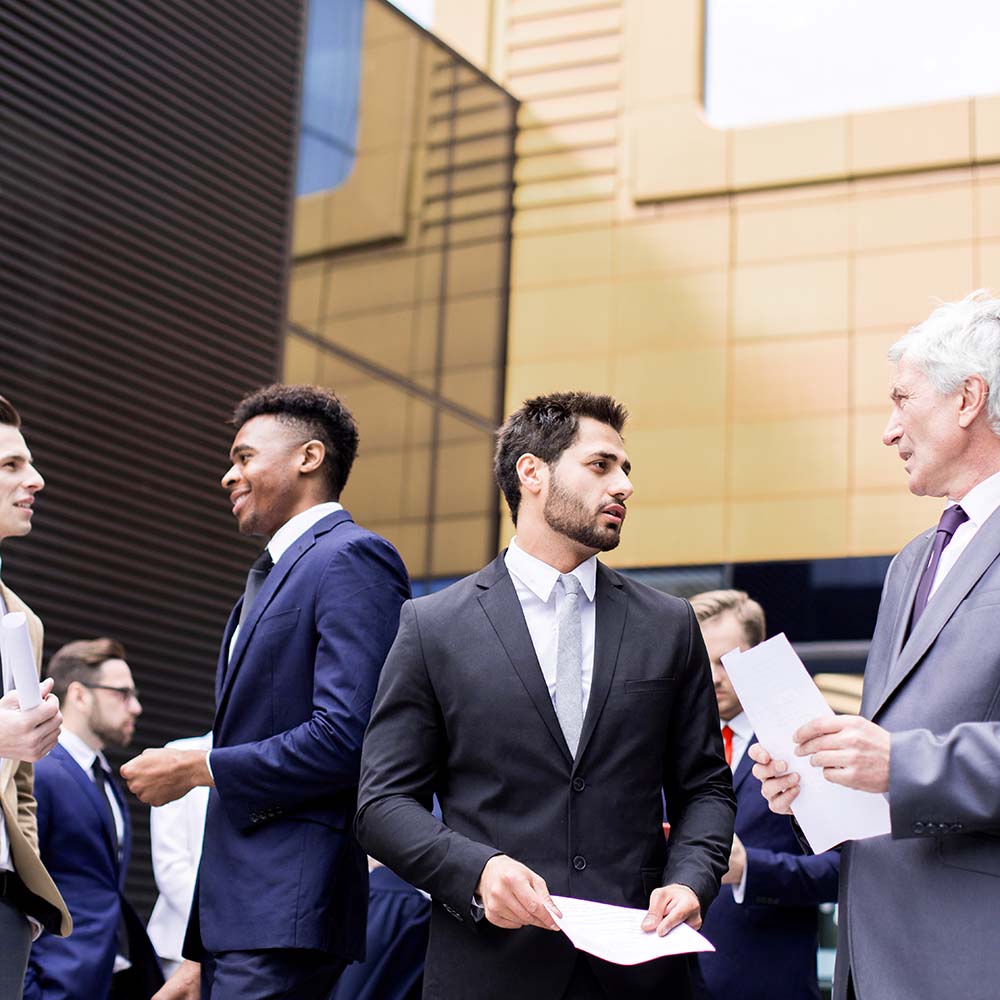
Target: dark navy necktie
{"x":262,"y":565}
{"x":950,"y":521}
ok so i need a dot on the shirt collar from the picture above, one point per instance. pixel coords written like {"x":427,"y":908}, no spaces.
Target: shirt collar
{"x":79,"y":751}
{"x":539,"y":577}
{"x":293,"y":529}
{"x":981,"y":501}
{"x":740,"y":725}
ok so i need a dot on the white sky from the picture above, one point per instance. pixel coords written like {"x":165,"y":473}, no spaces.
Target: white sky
{"x":419,"y":10}
{"x":775,"y":60}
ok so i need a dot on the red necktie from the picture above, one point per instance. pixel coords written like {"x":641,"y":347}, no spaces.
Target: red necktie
{"x":727,"y":743}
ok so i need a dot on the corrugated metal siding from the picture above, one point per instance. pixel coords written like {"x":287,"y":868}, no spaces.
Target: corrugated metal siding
{"x":147,"y":152}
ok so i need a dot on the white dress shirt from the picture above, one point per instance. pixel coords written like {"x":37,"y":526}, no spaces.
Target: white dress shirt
{"x":979,"y":503}
{"x":535,"y":584}
{"x":742,"y":732}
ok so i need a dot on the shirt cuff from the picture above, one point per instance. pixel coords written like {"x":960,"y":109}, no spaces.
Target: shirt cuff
{"x":739,"y":891}
{"x":208,"y":764}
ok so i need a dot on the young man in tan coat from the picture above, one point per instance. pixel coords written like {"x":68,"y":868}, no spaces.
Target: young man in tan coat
{"x":29,"y":900}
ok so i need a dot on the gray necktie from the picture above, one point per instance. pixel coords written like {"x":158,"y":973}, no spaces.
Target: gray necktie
{"x":569,"y":663}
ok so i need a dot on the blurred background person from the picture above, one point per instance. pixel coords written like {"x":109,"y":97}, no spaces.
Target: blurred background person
{"x":765,"y":921}
{"x":85,"y":835}
{"x":176,"y":832}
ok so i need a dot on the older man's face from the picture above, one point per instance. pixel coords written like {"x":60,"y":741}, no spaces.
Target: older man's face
{"x":924,"y":428}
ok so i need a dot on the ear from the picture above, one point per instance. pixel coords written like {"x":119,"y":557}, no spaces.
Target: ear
{"x":311,"y":456}
{"x":972,"y":399}
{"x":533,"y":474}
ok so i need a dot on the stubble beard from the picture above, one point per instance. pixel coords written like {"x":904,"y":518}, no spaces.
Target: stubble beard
{"x":566,"y":514}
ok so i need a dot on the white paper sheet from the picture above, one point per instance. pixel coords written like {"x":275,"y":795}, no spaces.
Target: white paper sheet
{"x":614,"y":933}
{"x":19,"y":670}
{"x":779,"y":696}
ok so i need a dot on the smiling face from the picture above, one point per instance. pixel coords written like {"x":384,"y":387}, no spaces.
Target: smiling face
{"x":19,"y":482}
{"x":265,"y":481}
{"x":721,"y":634}
{"x":924,"y":427}
{"x":588,"y":487}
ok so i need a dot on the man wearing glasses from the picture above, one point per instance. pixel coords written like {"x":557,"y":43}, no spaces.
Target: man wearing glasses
{"x":85,"y":835}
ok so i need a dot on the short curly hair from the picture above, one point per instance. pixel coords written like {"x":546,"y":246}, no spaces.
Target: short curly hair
{"x":319,"y":414}
{"x":546,"y":426}
{"x":8,"y":415}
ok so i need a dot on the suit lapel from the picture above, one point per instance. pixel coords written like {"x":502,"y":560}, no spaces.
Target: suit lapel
{"x":745,"y":766}
{"x":610,"y":611}
{"x":500,"y":602}
{"x":92,"y":795}
{"x":14,"y":603}
{"x":963,"y":576}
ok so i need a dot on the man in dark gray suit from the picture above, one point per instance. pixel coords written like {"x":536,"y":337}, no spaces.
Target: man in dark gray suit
{"x":920,"y":908}
{"x":549,"y":703}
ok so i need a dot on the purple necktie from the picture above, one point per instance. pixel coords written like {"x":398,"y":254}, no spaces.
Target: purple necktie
{"x":947,"y":526}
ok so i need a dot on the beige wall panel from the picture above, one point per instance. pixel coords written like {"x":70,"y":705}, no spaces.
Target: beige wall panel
{"x":680,"y":310}
{"x":571,"y":163}
{"x":536,"y":378}
{"x":776,"y":458}
{"x":792,"y":298}
{"x":428,"y":267}
{"x":899,"y":288}
{"x":580,"y":256}
{"x":790,"y":378}
{"x":476,"y":268}
{"x":671,"y":534}
{"x":811,"y":527}
{"x":371,"y":204}
{"x":791,"y":228}
{"x":870,"y":368}
{"x":309,"y":224}
{"x":987,"y":201}
{"x":664,"y":47}
{"x":558,"y":138}
{"x":681,"y":239}
{"x":472,"y":124}
{"x":676,"y":463}
{"x":419,"y":417}
{"x":387,"y":94}
{"x":520,"y":9}
{"x":882,"y":523}
{"x":926,"y":135}
{"x":467,"y":151}
{"x":577,"y":79}
{"x":476,"y":203}
{"x":566,"y":322}
{"x":988,"y":265}
{"x":474,"y":388}
{"x":459,"y":542}
{"x":674,"y":152}
{"x":987,"y":127}
{"x":337,"y":373}
{"x":466,"y":27}
{"x":671,"y":388}
{"x":470,"y":326}
{"x":597,"y":21}
{"x":576,"y":189}
{"x":935,"y":214}
{"x":381,"y":415}
{"x":416,"y":482}
{"x":465,"y":478}
{"x":578,"y":51}
{"x":382,"y":23}
{"x":377,"y":283}
{"x":874,"y":466}
{"x":792,"y":152}
{"x":410,"y":541}
{"x":544,"y":218}
{"x":457,"y":430}
{"x":305,"y":288}
{"x":301,"y":362}
{"x":445,"y":183}
{"x":572,"y":108}
{"x":385,"y":337}
{"x":374,"y":490}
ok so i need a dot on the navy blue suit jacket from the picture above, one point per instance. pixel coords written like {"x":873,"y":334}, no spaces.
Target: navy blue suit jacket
{"x":766,"y":945}
{"x":280,"y":866}
{"x":76,"y":842}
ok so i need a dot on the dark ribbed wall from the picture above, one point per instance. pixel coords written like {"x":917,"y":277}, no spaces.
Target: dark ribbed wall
{"x":147,"y":162}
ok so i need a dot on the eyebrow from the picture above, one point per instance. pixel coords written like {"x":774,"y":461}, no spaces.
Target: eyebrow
{"x":15,"y":456}
{"x":610,"y":456}
{"x":241,"y":449}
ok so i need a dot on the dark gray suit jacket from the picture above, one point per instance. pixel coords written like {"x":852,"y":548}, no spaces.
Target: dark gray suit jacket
{"x":462,"y":711}
{"x":920,"y":909}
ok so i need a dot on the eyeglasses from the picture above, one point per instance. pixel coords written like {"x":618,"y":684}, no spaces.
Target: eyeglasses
{"x":125,"y":693}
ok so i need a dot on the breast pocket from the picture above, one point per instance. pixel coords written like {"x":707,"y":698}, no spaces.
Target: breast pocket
{"x":658,"y":685}
{"x":282,"y":621}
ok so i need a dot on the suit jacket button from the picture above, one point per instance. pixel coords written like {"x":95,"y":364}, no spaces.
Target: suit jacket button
{"x":579,"y":863}
{"x":956,"y":827}
{"x":918,"y":827}
{"x":579,"y":784}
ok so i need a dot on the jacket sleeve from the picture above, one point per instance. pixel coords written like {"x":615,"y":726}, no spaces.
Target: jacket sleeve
{"x":357,"y":604}
{"x":781,"y":878}
{"x":405,"y":751}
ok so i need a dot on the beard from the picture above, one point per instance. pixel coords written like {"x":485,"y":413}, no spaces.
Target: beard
{"x":566,"y":514}
{"x":111,"y":736}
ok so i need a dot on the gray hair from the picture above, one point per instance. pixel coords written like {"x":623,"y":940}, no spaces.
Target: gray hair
{"x":957,"y":340}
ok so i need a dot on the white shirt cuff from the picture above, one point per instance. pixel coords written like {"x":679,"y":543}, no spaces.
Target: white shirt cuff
{"x":208,"y":763}
{"x":739,"y":891}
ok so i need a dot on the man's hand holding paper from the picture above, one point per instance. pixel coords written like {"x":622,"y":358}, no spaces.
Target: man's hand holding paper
{"x":31,"y":733}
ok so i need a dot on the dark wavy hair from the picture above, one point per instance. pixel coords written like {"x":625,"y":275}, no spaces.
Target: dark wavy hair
{"x":545,"y":427}
{"x":319,"y":414}
{"x":81,"y":661}
{"x":8,"y":415}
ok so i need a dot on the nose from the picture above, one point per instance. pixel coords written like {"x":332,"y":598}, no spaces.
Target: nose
{"x":135,"y":706}
{"x":231,"y":477}
{"x":623,"y":487}
{"x":33,"y":479}
{"x":718,"y":672}
{"x":893,"y":431}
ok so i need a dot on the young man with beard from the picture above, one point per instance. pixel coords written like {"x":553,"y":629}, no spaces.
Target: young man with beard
{"x":549,"y":703}
{"x":85,"y":835}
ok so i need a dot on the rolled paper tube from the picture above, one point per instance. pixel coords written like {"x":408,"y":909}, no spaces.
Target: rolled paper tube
{"x":19,"y":659}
